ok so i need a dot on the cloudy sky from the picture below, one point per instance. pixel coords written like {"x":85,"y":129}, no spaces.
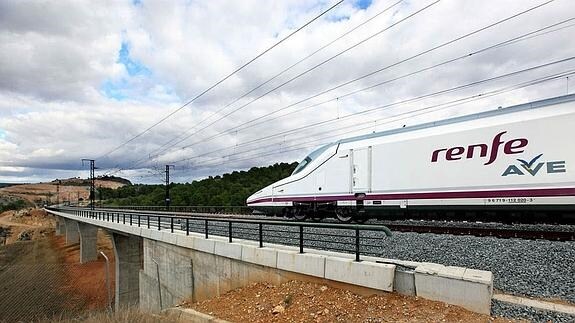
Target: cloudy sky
{"x":86,"y":79}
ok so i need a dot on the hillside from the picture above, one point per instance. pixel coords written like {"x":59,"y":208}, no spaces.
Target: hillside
{"x":37,"y":194}
{"x":228,"y":189}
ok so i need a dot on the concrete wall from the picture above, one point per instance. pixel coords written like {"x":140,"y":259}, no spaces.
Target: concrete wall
{"x":186,"y":273}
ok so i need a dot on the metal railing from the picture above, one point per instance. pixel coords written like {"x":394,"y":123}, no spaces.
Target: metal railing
{"x":187,"y":209}
{"x":349,"y":238}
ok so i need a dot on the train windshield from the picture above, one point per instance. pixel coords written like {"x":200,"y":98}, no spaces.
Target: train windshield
{"x":309,"y":158}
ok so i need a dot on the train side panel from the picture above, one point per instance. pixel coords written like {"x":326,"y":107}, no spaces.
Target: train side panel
{"x":518,"y":157}
{"x":523,"y":154}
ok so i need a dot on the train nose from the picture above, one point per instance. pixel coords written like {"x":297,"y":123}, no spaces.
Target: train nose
{"x":257,"y":196}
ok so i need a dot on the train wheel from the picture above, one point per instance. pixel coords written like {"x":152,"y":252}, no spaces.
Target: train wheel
{"x":343,"y":215}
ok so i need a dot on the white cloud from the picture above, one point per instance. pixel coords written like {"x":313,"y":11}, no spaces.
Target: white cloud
{"x":79,"y":78}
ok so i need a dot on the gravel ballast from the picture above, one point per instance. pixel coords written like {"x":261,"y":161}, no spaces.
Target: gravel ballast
{"x":538,"y":268}
{"x":535,"y":315}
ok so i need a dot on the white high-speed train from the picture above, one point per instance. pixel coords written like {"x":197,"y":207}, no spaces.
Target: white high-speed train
{"x":510,"y":162}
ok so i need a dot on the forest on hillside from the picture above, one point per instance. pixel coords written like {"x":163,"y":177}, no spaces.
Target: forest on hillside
{"x":230,"y":189}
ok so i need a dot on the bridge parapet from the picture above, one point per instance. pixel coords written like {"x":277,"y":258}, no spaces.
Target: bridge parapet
{"x":179,"y":263}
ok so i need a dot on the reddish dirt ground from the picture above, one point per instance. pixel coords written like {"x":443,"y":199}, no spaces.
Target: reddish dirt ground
{"x":87,"y":280}
{"x":297,"y":301}
{"x":42,"y":277}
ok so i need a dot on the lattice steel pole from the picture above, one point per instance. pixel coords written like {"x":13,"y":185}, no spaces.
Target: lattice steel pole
{"x":167,"y":200}
{"x":92,"y":181}
{"x":58,"y":182}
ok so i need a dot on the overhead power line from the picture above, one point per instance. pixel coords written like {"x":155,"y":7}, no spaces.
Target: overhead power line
{"x":295,"y":77}
{"x":452,"y":41}
{"x":425,"y":110}
{"x":305,"y":72}
{"x":221,"y":80}
{"x":404,"y":114}
{"x":375,"y":71}
{"x":389,"y":105}
{"x":281,"y":73}
{"x":252,"y":123}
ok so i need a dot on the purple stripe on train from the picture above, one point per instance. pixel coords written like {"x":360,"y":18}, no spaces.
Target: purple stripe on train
{"x":541,"y":192}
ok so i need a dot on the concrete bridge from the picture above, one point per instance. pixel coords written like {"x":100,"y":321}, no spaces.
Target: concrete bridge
{"x":160,"y":262}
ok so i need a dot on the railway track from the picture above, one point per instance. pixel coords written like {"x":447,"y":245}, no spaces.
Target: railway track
{"x":506,"y":233}
{"x":498,"y":230}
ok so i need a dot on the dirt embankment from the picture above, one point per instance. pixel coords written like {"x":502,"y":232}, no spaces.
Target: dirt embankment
{"x":297,"y":301}
{"x":42,"y":278}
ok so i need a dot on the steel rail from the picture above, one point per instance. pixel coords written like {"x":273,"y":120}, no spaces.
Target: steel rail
{"x":428,"y":227}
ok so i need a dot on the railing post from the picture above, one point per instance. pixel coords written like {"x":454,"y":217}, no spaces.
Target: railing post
{"x":159,"y":224}
{"x":107,"y":217}
{"x":357,"y":244}
{"x":138,"y":220}
{"x":206,"y":228}
{"x":187,"y":226}
{"x":230,"y":231}
{"x":123,"y":218}
{"x":172,"y":224}
{"x":130,"y":219}
{"x":300,"y":238}
{"x":261,"y":234}
{"x":147,"y":215}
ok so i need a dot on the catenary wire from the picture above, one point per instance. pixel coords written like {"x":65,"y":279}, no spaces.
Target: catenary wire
{"x":454,"y":40}
{"x":251,"y":123}
{"x":307,"y":71}
{"x":386,"y":106}
{"x":457,"y":102}
{"x":280,"y":73}
{"x":396,"y":63}
{"x":220,"y":81}
{"x":296,"y":77}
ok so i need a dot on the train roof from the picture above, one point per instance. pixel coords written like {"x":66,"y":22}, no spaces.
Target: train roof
{"x":480,"y":115}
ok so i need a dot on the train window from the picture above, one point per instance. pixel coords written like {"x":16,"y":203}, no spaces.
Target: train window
{"x":301,"y":165}
{"x":313,"y":155}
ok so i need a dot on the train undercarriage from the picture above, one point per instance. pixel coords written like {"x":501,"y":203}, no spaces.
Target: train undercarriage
{"x":547,"y":214}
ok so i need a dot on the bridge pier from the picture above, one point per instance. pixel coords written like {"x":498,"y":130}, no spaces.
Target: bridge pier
{"x":88,"y":242}
{"x":128,"y":255}
{"x":60,"y":226}
{"x":72,"y":235}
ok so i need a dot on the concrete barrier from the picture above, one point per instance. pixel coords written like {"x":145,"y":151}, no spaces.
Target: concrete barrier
{"x":367,"y":274}
{"x":469,"y":288}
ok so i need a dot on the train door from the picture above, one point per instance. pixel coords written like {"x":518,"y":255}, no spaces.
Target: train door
{"x":361,"y":170}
